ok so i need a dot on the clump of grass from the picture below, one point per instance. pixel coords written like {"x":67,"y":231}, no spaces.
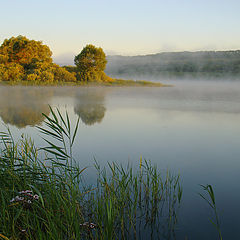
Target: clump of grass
{"x":125,"y":203}
{"x":57,"y":213}
{"x":131,"y":204}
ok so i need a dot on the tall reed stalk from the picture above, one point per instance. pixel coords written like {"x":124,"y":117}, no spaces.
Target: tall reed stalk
{"x":211,"y":200}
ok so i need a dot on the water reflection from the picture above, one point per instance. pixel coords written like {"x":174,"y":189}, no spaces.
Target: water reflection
{"x":89,"y":106}
{"x":23,"y":106}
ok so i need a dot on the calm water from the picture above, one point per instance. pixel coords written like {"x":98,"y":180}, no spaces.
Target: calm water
{"x":192,"y":129}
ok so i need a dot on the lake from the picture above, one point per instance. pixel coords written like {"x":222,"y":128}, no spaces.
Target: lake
{"x":192,"y":129}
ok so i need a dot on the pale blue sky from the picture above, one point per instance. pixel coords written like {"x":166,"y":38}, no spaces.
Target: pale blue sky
{"x":127,"y":27}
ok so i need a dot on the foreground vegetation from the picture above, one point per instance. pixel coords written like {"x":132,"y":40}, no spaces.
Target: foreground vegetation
{"x":43,"y":193}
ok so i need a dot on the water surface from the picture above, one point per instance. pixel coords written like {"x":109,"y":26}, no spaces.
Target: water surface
{"x":192,"y":129}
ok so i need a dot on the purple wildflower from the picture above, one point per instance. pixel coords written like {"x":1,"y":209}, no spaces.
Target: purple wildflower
{"x":26,"y":197}
{"x":89,"y":225}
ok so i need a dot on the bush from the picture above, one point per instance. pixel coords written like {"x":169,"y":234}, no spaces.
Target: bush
{"x":61,"y":74}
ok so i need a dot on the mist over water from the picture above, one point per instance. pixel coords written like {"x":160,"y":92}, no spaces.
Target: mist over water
{"x":191,"y":128}
{"x":202,"y":65}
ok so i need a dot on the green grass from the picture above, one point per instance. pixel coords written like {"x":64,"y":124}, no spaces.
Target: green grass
{"x":121,"y":82}
{"x":121,"y":203}
{"x":116,"y":82}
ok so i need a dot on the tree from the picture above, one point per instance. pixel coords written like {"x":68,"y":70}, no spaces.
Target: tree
{"x":24,"y":51}
{"x":91,"y":63}
{"x":24,"y":59}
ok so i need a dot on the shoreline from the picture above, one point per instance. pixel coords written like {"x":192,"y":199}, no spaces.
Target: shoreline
{"x":115,"y":83}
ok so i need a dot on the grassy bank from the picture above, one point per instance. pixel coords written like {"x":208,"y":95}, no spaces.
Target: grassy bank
{"x":44,"y":194}
{"x":116,"y":82}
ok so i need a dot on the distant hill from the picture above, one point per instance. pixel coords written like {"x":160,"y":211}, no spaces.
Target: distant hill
{"x":174,"y":63}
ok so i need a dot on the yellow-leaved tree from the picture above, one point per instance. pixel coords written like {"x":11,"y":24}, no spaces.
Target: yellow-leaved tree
{"x":24,"y":59}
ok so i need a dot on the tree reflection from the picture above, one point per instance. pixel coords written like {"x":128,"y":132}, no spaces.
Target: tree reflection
{"x":89,"y":106}
{"x":23,"y":106}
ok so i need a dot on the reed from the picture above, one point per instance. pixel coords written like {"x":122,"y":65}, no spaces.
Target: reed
{"x":44,"y":194}
{"x":209,"y":197}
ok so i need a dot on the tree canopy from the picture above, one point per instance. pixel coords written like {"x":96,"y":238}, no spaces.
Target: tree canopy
{"x":91,"y":58}
{"x":24,"y":51}
{"x":24,"y":59}
{"x":91,"y":63}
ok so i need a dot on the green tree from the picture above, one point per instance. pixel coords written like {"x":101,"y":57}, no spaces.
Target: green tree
{"x":91,"y":63}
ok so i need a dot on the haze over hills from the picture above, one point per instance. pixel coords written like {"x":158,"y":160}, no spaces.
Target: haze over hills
{"x":153,"y":66}
{"x":174,"y":63}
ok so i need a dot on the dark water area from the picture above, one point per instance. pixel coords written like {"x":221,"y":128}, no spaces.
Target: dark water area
{"x":192,"y":129}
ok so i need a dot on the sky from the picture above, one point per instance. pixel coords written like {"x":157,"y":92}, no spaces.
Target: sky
{"x":126,"y":27}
